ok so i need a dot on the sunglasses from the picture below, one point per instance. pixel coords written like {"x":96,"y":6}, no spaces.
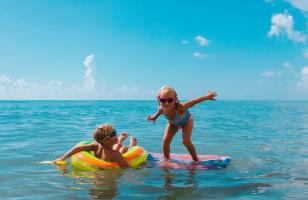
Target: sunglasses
{"x":163,"y":100}
{"x":109,"y":135}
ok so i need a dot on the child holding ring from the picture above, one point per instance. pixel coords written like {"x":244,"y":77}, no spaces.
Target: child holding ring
{"x":106,"y":147}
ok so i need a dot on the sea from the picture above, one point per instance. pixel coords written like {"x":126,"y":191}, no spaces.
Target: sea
{"x":267,"y":140}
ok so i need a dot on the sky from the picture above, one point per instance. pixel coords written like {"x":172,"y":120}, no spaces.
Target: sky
{"x":127,"y":50}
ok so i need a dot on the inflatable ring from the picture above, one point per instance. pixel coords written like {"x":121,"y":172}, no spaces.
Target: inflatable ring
{"x":85,"y":160}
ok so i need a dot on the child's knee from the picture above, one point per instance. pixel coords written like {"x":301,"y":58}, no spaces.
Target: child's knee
{"x":117,"y":146}
{"x":123,"y":150}
{"x":186,"y":142}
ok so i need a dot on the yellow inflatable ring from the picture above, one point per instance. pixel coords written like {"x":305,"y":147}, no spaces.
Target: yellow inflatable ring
{"x":85,"y":160}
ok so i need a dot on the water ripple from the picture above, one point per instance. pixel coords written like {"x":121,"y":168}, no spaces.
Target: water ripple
{"x":267,"y":140}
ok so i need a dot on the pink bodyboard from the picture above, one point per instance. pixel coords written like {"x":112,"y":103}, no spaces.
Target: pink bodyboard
{"x":184,"y":161}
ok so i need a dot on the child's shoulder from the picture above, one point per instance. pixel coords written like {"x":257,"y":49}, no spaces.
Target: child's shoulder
{"x":180,"y":108}
{"x":95,"y":144}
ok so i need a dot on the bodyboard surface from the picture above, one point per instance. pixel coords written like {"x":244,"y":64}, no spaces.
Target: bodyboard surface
{"x":184,"y":161}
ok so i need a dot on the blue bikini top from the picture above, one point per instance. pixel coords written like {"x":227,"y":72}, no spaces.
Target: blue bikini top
{"x":180,"y":120}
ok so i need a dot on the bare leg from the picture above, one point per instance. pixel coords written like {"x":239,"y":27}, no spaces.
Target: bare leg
{"x":133,"y":142}
{"x":170,"y":132}
{"x":186,"y":137}
{"x":118,"y":145}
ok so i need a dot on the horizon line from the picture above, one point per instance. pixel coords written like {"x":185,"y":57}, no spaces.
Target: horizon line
{"x":1,"y":100}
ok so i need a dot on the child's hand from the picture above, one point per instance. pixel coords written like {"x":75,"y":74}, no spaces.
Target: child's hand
{"x":123,"y":136}
{"x":211,"y":95}
{"x":150,"y":118}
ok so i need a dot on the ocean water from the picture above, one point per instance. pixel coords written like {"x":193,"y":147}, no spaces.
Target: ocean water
{"x":267,"y":140}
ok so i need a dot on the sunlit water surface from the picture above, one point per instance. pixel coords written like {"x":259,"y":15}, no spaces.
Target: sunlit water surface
{"x":267,"y":140}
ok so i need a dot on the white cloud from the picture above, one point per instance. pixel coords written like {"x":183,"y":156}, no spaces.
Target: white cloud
{"x":305,"y":71}
{"x":303,"y":83}
{"x":125,"y":91}
{"x":268,"y":73}
{"x":287,"y":69}
{"x":88,"y":79}
{"x":6,"y":83}
{"x":184,"y":42}
{"x":202,"y":41}
{"x":305,"y":53}
{"x":88,"y":60}
{"x":21,"y":89}
{"x":56,"y":89}
{"x":199,"y":55}
{"x":55,"y":84}
{"x":300,"y":4}
{"x":283,"y":24}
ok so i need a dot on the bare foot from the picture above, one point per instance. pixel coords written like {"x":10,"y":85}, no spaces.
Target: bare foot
{"x":133,"y":141}
{"x":166,"y":159}
{"x":122,"y":137}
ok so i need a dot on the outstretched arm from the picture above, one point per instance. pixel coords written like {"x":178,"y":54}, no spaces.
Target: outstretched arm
{"x":188,"y":104}
{"x":155,"y":116}
{"x":74,"y":150}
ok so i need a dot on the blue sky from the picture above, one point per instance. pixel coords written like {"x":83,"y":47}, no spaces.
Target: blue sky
{"x":243,"y":50}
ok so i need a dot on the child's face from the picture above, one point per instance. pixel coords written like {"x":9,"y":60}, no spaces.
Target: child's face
{"x":167,"y":100}
{"x":111,"y":139}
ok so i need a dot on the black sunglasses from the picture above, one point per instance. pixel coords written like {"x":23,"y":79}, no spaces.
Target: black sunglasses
{"x":163,"y":100}
{"x":111,"y":134}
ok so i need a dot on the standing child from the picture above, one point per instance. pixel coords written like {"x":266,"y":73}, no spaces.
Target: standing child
{"x":178,"y":117}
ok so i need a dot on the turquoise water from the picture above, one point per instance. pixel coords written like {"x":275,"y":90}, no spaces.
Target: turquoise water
{"x":268,"y":141}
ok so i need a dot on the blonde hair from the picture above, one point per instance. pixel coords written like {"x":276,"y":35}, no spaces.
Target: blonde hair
{"x":102,"y":131}
{"x":167,"y":88}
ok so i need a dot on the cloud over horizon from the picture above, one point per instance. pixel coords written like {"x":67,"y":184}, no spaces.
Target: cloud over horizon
{"x":21,"y":89}
{"x":282,"y":24}
{"x":88,"y":79}
{"x":302,"y":84}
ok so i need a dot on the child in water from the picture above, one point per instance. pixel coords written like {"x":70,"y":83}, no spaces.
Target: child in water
{"x":106,"y":147}
{"x":178,"y":117}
